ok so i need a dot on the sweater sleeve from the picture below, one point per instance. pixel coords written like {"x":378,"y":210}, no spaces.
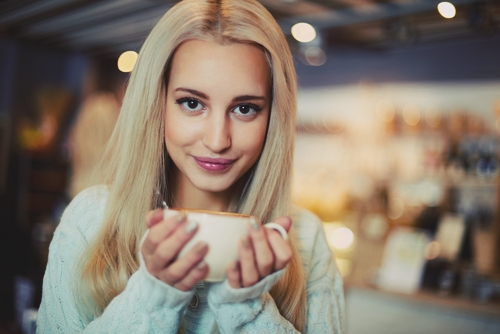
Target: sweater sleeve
{"x":253,"y":310}
{"x":146,"y":305}
{"x":247,"y":310}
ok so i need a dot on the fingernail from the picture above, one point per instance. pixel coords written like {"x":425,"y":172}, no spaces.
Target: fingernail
{"x":191,"y":226}
{"x":245,"y":241}
{"x":200,"y":248}
{"x":254,"y":223}
{"x":201,"y":265}
{"x":180,"y":217}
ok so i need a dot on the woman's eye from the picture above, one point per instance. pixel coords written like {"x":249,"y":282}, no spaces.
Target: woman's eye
{"x":246,"y":109}
{"x":190,"y":104}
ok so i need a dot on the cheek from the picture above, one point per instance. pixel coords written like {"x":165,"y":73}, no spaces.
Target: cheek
{"x":176,"y":133}
{"x":253,"y":138}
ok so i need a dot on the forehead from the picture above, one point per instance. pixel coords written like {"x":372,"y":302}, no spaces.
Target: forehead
{"x":235,"y":67}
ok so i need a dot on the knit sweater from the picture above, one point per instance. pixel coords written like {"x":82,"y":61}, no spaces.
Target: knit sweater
{"x":148,"y":305}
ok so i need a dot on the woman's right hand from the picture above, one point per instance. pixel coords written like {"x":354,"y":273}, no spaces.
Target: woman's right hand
{"x":161,"y":247}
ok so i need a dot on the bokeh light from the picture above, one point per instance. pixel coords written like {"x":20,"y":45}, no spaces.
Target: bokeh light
{"x":411,"y":114}
{"x":315,"y":56}
{"x":385,"y":111}
{"x":397,"y":208}
{"x":447,"y":10}
{"x":303,"y":32}
{"x":126,"y":61}
{"x":342,"y":238}
{"x":432,"y":250}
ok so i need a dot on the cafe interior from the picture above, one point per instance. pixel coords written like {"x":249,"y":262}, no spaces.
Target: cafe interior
{"x":397,"y":145}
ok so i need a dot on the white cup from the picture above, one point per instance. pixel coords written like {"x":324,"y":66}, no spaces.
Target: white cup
{"x":222,"y":232}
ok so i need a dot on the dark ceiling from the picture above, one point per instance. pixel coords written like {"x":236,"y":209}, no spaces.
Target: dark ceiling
{"x":108,"y":27}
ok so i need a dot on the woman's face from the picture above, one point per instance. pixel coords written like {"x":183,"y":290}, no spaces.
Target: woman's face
{"x":218,"y":102}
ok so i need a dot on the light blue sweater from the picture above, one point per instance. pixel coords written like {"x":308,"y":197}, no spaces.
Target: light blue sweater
{"x":148,"y":305}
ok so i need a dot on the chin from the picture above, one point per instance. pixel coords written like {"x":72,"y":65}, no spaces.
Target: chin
{"x":214,"y":184}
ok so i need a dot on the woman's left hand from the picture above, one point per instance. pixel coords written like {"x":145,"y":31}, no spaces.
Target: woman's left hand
{"x":261,"y":253}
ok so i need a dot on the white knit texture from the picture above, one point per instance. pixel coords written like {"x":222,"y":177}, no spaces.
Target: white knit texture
{"x":148,"y":305}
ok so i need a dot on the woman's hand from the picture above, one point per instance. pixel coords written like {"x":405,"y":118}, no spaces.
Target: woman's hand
{"x":161,"y":247}
{"x":261,"y":253}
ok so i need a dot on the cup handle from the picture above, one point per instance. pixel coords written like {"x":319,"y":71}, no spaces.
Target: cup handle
{"x":278,"y":228}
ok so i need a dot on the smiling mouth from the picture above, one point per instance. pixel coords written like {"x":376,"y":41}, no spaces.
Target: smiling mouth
{"x":214,"y":164}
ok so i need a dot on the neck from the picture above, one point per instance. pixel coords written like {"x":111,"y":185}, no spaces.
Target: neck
{"x":187,"y":196}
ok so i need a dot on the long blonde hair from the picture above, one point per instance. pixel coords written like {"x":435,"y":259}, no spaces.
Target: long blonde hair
{"x":137,"y":147}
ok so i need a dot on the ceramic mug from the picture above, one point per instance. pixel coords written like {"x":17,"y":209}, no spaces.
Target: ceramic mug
{"x":222,"y":232}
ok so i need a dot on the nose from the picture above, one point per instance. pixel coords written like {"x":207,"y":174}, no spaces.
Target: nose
{"x":217,"y":135}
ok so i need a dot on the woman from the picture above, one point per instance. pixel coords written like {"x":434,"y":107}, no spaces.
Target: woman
{"x":208,"y":119}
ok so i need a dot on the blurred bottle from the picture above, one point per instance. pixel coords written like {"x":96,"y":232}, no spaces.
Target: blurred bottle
{"x":468,"y":283}
{"x":446,"y":282}
{"x":475,"y":157}
{"x":487,"y":165}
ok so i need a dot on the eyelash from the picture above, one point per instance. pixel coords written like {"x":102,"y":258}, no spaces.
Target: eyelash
{"x":255,"y":108}
{"x":183,"y":100}
{"x":187,"y":99}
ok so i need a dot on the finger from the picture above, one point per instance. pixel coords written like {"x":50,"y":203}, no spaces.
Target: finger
{"x":168,"y":249}
{"x":280,"y":248}
{"x":195,"y":275}
{"x":153,"y":217}
{"x":233,"y":275}
{"x":159,"y":232}
{"x":181,"y":267}
{"x":264,"y":257}
{"x":249,"y":273}
{"x":284,"y":221}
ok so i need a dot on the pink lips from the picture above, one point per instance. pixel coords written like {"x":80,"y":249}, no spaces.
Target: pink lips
{"x":213,"y":164}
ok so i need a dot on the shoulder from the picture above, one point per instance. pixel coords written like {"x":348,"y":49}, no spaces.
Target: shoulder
{"x":306,"y":224}
{"x":85,"y":212}
{"x":308,"y":228}
{"x":317,"y":257}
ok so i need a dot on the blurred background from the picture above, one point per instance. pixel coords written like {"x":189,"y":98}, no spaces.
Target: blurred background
{"x":397,"y":144}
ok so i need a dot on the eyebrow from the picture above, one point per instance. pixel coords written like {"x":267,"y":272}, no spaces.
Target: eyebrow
{"x":236,"y":99}
{"x":192,"y":91}
{"x":248,"y":97}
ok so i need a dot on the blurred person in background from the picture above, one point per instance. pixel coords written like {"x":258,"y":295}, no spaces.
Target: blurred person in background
{"x":207,"y":122}
{"x":89,"y":137}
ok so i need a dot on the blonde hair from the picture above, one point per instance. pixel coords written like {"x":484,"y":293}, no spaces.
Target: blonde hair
{"x":89,"y":136}
{"x":138,"y":147}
